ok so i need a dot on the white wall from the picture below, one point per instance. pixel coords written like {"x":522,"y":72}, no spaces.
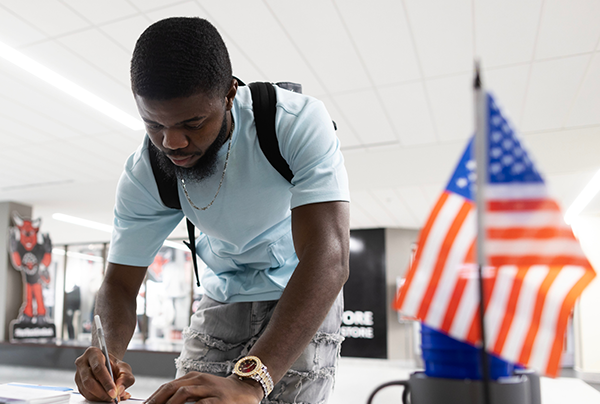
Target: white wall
{"x":401,"y":339}
{"x":587,"y":310}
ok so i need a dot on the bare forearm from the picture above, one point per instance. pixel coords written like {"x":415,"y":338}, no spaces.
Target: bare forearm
{"x":116,"y":306}
{"x":298,"y":315}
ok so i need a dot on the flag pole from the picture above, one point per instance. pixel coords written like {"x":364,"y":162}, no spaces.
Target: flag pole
{"x":481,"y":159}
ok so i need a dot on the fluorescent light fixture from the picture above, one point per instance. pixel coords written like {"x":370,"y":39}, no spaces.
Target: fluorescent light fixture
{"x":69,"y":87}
{"x":73,"y":254}
{"x":104,"y":227}
{"x":586,"y":195}
{"x":82,"y":222}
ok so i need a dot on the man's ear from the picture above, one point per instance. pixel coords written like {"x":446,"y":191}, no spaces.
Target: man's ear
{"x":231,"y":94}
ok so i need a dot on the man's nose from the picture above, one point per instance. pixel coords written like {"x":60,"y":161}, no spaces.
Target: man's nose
{"x":174,"y":139}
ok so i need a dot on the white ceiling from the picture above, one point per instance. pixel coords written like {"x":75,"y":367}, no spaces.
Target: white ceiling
{"x":394,"y":74}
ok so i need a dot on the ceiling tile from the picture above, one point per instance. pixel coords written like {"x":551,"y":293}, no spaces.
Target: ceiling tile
{"x":265,"y":45}
{"x":101,"y":52}
{"x":56,"y":106}
{"x":345,"y":132}
{"x":317,"y":31}
{"x":127,"y":31}
{"x":84,"y":73}
{"x":91,"y":146}
{"x":409,"y":111}
{"x":586,"y":108}
{"x":396,"y":207}
{"x":363,"y":109}
{"x":451,"y":100}
{"x":99,"y":12}
{"x":443,"y":34}
{"x":146,"y":5}
{"x":49,"y":16}
{"x":16,"y":32}
{"x":382,"y":37}
{"x":568,"y":27}
{"x":566,"y":187}
{"x":566,"y":150}
{"x":417,"y":202}
{"x":505,"y":31}
{"x":552,"y":89}
{"x":380,"y":215}
{"x":359,"y":216}
{"x":175,"y":9}
{"x":508,"y":86}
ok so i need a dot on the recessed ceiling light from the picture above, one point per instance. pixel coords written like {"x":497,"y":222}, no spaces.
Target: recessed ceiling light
{"x":67,"y":86}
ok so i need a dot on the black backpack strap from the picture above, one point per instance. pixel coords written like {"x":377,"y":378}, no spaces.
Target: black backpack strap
{"x":264,"y":105}
{"x":167,"y":188}
{"x":192,"y":246}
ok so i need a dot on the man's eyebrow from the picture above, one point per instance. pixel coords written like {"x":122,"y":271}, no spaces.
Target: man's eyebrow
{"x":196,"y":118}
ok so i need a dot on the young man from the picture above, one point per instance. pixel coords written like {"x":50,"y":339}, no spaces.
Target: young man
{"x":277,"y":252}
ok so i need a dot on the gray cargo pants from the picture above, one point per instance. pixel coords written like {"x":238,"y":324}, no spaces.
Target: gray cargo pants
{"x":220,"y":334}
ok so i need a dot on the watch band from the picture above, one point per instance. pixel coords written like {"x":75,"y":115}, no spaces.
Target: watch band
{"x":251,"y":367}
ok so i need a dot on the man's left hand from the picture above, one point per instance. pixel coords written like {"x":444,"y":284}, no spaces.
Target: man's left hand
{"x":206,"y":388}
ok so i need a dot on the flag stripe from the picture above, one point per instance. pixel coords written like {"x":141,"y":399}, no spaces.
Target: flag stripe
{"x":503,"y":205}
{"x":502,"y":220}
{"x":475,"y":330}
{"x":516,"y":191}
{"x":549,"y":323}
{"x":430,"y":250}
{"x":466,"y":310}
{"x":443,"y":253}
{"x":510,"y":310}
{"x":567,"y":306}
{"x":534,"y":247}
{"x":537,"y":233}
{"x":537,"y":314}
{"x":523,"y":312}
{"x":498,"y":301}
{"x":529,"y":260}
{"x":422,"y":238}
{"x":461,"y":247}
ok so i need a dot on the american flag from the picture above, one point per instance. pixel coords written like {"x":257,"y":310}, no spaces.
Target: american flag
{"x":536,"y":268}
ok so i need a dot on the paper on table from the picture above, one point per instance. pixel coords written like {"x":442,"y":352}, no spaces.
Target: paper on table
{"x":18,"y":393}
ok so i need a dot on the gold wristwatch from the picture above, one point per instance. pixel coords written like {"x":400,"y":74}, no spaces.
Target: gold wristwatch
{"x":250,"y":367}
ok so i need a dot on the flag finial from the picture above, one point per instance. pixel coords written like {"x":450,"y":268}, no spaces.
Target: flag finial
{"x":477,"y":80}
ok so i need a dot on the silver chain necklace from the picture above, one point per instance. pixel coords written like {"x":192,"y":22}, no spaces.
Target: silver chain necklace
{"x":222,"y":177}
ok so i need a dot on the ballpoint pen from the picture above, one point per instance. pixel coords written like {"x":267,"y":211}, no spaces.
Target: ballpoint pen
{"x":104,"y":348}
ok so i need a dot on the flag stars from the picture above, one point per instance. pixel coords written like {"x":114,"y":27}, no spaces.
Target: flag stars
{"x":496,"y":136}
{"x":462,"y":182}
{"x":495,"y":168}
{"x":496,"y":152}
{"x":507,"y":144}
{"x":507,"y":160}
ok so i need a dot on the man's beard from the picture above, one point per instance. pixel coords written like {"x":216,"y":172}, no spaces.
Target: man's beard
{"x":204,"y":167}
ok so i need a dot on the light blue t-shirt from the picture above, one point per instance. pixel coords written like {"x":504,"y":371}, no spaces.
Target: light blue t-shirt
{"x":246,"y":238}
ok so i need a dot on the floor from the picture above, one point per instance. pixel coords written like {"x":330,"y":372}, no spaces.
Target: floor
{"x":357,"y":378}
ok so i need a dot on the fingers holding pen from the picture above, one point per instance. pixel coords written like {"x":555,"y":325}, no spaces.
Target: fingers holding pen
{"x":123,"y":377}
{"x":93,"y":378}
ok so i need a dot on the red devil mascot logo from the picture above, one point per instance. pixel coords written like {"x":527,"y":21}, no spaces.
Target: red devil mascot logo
{"x":31,"y":254}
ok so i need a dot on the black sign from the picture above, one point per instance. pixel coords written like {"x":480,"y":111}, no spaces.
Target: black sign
{"x":364,"y":321}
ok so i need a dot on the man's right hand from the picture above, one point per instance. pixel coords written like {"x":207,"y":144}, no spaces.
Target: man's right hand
{"x":94,"y":381}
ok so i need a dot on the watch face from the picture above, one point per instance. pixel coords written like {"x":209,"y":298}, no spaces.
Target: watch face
{"x":247,"y":366}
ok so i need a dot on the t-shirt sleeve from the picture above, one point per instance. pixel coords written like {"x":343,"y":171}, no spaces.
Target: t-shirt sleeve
{"x":308,"y":143}
{"x":141,"y":221}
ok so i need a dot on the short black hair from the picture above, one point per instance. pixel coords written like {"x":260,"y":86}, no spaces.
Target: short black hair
{"x":180,"y":57}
